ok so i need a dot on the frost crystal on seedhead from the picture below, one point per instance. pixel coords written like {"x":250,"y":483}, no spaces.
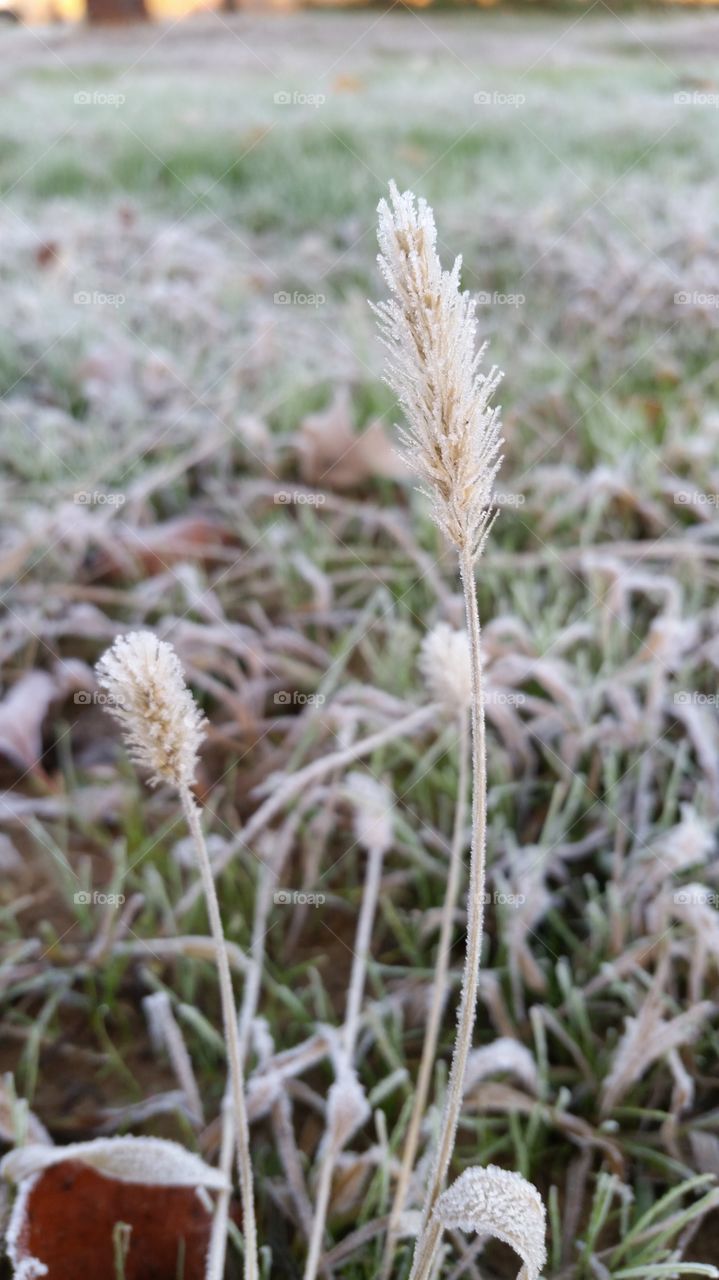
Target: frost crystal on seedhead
{"x":452,"y":437}
{"x":500,"y":1203}
{"x":162,"y":725}
{"x":373,"y":804}
{"x":445,"y":665}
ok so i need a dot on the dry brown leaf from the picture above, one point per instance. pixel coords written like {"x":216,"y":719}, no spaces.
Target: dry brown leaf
{"x":332,"y":454}
{"x":155,"y":548}
{"x":65,"y":1219}
{"x":22,"y":713}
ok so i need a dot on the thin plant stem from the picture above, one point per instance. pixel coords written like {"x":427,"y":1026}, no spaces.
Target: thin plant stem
{"x":250,"y":999}
{"x":438,"y":999}
{"x":322,"y":1199}
{"x":232,"y":1039}
{"x":363,"y":938}
{"x":215,"y":1265}
{"x":430,"y":1233}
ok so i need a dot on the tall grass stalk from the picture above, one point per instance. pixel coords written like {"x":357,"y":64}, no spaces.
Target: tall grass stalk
{"x":232,"y":1035}
{"x":452,"y":437}
{"x":437,"y":1000}
{"x":163,"y":728}
{"x":374,"y":835}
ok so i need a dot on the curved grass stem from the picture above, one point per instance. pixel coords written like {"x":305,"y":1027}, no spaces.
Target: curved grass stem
{"x":437,"y":1003}
{"x":232,"y":1039}
{"x":428,"y":1241}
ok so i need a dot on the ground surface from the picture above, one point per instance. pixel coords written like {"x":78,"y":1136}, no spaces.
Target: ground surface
{"x":187,"y":248}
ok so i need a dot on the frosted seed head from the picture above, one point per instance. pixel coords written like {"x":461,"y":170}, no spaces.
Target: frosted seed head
{"x":160,"y":720}
{"x":452,"y":435}
{"x":445,"y":665}
{"x":373,"y":804}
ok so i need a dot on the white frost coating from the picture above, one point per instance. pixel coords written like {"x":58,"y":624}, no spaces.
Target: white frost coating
{"x":499,"y":1203}
{"x":347,"y":1109}
{"x":151,"y":1161}
{"x":262,"y":1093}
{"x":373,"y":804}
{"x":689,"y":842}
{"x":160,"y":720}
{"x":506,"y":1055}
{"x":429,"y":328}
{"x":444,"y":662}
{"x":645,"y":1039}
{"x":23,"y":1268}
{"x":17,"y":1121}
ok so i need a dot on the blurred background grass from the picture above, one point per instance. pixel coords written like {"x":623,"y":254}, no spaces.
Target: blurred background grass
{"x":188,"y":246}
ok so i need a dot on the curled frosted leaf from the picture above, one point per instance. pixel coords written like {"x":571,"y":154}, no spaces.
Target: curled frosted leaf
{"x":152,"y":1161}
{"x":497,"y":1202}
{"x":347,"y":1109}
{"x":504,"y":1055}
{"x":645,"y":1040}
{"x":263,"y":1091}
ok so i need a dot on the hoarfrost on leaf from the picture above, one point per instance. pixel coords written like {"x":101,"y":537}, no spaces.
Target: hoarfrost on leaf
{"x":499,"y":1203}
{"x":151,"y":1161}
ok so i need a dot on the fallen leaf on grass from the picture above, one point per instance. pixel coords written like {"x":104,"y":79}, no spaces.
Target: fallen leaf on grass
{"x":25,"y":705}
{"x":153,"y":549}
{"x":70,"y":1200}
{"x":333,"y":454}
{"x":22,"y":712}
